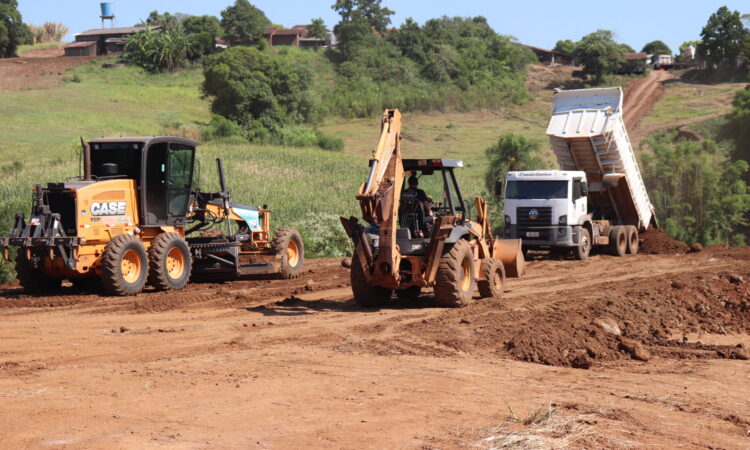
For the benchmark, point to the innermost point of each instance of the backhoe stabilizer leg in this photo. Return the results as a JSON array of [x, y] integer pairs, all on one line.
[[356, 233]]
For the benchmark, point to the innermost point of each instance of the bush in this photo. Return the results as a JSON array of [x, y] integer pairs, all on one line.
[[258, 91], [324, 236], [221, 128], [157, 51]]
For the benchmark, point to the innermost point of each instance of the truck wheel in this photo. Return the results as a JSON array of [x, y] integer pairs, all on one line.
[[410, 293], [583, 249], [618, 242], [169, 262], [288, 244], [366, 294], [124, 266], [455, 282], [494, 277], [632, 235], [32, 280]]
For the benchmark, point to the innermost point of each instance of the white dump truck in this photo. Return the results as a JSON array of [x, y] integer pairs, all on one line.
[[597, 198]]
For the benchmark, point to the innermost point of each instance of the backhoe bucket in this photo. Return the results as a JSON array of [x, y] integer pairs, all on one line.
[[510, 253]]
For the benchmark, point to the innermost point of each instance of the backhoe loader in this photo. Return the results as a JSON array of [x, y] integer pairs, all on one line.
[[134, 218], [404, 247]]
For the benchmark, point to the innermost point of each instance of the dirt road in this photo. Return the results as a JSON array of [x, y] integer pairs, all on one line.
[[640, 97], [37, 69], [266, 364]]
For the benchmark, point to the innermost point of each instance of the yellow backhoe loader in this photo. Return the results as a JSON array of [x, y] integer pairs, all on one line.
[[409, 244], [134, 218]]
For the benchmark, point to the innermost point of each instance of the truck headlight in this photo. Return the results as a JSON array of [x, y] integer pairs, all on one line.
[[563, 220]]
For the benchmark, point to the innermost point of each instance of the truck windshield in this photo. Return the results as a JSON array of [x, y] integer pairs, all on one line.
[[536, 189]]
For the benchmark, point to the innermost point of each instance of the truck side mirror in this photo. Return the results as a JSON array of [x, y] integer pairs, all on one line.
[[498, 187]]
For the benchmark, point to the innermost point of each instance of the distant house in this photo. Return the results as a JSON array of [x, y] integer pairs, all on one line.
[[102, 41], [294, 37], [83, 48], [552, 56], [635, 63]]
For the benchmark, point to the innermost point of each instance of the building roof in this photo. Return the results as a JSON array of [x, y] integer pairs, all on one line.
[[79, 44], [637, 55], [108, 31], [555, 52]]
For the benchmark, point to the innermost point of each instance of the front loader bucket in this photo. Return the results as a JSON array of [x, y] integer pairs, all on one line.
[[510, 253]]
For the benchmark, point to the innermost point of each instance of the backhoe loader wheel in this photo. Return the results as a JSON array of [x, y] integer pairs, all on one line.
[[454, 285], [288, 244], [631, 233], [124, 266], [366, 294], [494, 277], [618, 242], [169, 262], [33, 280]]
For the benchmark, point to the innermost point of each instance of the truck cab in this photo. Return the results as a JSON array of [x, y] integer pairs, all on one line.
[[545, 208]]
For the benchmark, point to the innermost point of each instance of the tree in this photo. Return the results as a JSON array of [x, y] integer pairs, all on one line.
[[565, 46], [599, 54], [12, 28], [657, 48], [722, 37], [166, 21], [317, 29], [258, 91], [511, 152], [205, 30], [369, 11], [243, 23]]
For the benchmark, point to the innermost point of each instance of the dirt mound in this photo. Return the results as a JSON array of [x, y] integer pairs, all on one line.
[[669, 316], [657, 242]]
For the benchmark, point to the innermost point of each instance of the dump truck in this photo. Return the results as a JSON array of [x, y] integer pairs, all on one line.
[[597, 198], [409, 243], [134, 217]]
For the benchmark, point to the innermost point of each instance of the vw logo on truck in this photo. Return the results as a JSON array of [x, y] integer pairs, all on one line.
[[533, 214]]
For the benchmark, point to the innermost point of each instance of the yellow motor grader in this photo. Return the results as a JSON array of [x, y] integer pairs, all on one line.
[[404, 247], [134, 218]]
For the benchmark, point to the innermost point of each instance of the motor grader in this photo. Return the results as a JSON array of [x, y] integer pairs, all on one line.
[[134, 218], [404, 248]]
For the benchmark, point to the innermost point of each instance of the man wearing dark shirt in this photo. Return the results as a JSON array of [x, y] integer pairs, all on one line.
[[419, 194]]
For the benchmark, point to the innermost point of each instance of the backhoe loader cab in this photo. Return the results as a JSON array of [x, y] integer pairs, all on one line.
[[405, 248], [129, 221]]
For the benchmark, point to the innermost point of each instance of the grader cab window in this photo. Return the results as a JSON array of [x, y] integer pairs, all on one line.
[[116, 160]]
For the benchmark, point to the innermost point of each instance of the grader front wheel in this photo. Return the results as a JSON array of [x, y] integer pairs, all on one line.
[[124, 266], [33, 280], [494, 278], [288, 244]]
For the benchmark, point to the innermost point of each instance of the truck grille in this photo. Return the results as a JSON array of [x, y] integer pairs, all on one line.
[[543, 217]]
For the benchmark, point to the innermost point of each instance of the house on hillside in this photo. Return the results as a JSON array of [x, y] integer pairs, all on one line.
[[635, 63], [294, 37], [102, 41], [549, 57]]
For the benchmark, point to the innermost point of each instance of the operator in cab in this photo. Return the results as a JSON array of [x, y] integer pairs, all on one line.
[[419, 194]]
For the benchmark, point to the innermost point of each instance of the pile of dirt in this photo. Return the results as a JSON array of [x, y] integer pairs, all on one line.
[[657, 242], [662, 317]]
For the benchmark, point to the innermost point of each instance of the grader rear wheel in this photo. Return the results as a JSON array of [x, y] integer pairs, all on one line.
[[169, 262], [33, 280], [454, 285], [124, 266]]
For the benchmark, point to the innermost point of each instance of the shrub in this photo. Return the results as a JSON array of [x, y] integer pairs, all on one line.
[[157, 51]]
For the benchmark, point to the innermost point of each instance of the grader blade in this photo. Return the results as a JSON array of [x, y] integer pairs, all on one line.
[[510, 253]]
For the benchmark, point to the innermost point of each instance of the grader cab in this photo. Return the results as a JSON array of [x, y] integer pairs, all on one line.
[[130, 220]]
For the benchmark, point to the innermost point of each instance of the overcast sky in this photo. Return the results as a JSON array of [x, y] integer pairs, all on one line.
[[537, 23]]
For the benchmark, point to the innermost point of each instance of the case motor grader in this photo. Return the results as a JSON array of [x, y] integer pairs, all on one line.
[[129, 220], [405, 248]]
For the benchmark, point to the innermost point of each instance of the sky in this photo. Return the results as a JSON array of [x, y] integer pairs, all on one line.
[[536, 23]]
